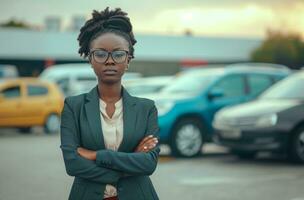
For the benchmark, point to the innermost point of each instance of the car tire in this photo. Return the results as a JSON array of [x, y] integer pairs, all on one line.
[[187, 138], [296, 146], [25, 130], [244, 154], [52, 124]]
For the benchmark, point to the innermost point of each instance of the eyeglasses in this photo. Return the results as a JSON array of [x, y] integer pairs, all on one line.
[[101, 56]]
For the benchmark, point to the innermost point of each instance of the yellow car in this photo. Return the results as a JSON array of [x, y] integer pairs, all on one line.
[[27, 102]]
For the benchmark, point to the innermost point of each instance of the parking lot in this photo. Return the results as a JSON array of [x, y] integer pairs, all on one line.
[[32, 168]]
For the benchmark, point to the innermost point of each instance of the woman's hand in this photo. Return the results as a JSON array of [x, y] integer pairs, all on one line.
[[147, 144], [88, 154]]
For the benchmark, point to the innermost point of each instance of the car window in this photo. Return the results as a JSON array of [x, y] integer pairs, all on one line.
[[231, 86], [36, 90], [189, 83], [258, 83], [11, 92]]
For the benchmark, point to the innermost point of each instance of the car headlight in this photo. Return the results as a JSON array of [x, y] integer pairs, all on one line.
[[163, 107], [267, 120]]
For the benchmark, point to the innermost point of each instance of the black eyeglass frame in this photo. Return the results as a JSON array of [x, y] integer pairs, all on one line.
[[91, 54]]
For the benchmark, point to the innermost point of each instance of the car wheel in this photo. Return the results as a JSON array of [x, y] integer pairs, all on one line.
[[296, 146], [25, 130], [187, 138], [52, 124], [244, 154]]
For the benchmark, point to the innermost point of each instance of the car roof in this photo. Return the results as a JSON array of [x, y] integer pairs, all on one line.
[[257, 68], [70, 65], [69, 69], [240, 68], [203, 71]]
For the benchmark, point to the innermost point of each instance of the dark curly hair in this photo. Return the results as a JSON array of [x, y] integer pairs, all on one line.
[[106, 21]]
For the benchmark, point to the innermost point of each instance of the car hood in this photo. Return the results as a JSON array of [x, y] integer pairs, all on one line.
[[259, 107]]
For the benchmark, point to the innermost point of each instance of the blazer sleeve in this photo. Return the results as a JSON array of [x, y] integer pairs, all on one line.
[[140, 163], [75, 164]]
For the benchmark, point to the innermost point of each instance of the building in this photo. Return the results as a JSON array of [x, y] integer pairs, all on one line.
[[31, 51]]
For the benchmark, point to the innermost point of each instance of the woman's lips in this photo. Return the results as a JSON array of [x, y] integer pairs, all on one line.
[[110, 72]]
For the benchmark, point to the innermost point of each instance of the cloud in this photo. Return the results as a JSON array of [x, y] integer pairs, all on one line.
[[250, 19], [220, 17]]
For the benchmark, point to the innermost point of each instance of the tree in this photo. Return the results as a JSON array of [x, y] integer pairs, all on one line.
[[281, 48], [15, 24]]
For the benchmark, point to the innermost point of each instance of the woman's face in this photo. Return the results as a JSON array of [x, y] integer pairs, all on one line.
[[109, 72]]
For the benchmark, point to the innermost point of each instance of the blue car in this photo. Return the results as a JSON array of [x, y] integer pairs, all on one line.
[[186, 106]]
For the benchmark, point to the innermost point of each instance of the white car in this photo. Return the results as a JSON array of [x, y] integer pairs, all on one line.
[[76, 78], [73, 78]]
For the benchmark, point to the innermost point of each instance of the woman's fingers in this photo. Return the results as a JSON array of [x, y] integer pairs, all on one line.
[[151, 143], [147, 144], [79, 150], [145, 139]]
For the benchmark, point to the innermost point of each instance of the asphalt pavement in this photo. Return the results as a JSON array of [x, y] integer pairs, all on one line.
[[31, 167]]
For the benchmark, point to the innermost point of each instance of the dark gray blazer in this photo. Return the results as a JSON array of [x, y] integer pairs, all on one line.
[[128, 171]]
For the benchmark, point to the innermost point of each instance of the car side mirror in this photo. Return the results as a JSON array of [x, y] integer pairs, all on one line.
[[215, 93]]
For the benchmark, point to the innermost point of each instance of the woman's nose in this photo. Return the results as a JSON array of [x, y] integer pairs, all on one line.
[[110, 60]]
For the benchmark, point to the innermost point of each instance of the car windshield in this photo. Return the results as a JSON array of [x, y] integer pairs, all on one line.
[[290, 88], [191, 83]]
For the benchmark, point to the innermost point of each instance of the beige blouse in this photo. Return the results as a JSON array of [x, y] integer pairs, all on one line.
[[112, 129]]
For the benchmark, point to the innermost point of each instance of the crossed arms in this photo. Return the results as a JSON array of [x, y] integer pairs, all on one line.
[[107, 166]]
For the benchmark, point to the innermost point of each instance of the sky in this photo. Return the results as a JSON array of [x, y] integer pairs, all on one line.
[[226, 18]]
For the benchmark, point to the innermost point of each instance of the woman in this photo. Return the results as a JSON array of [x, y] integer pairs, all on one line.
[[108, 138]]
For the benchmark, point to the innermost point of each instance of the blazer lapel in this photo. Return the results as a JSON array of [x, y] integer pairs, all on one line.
[[93, 115], [129, 120]]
